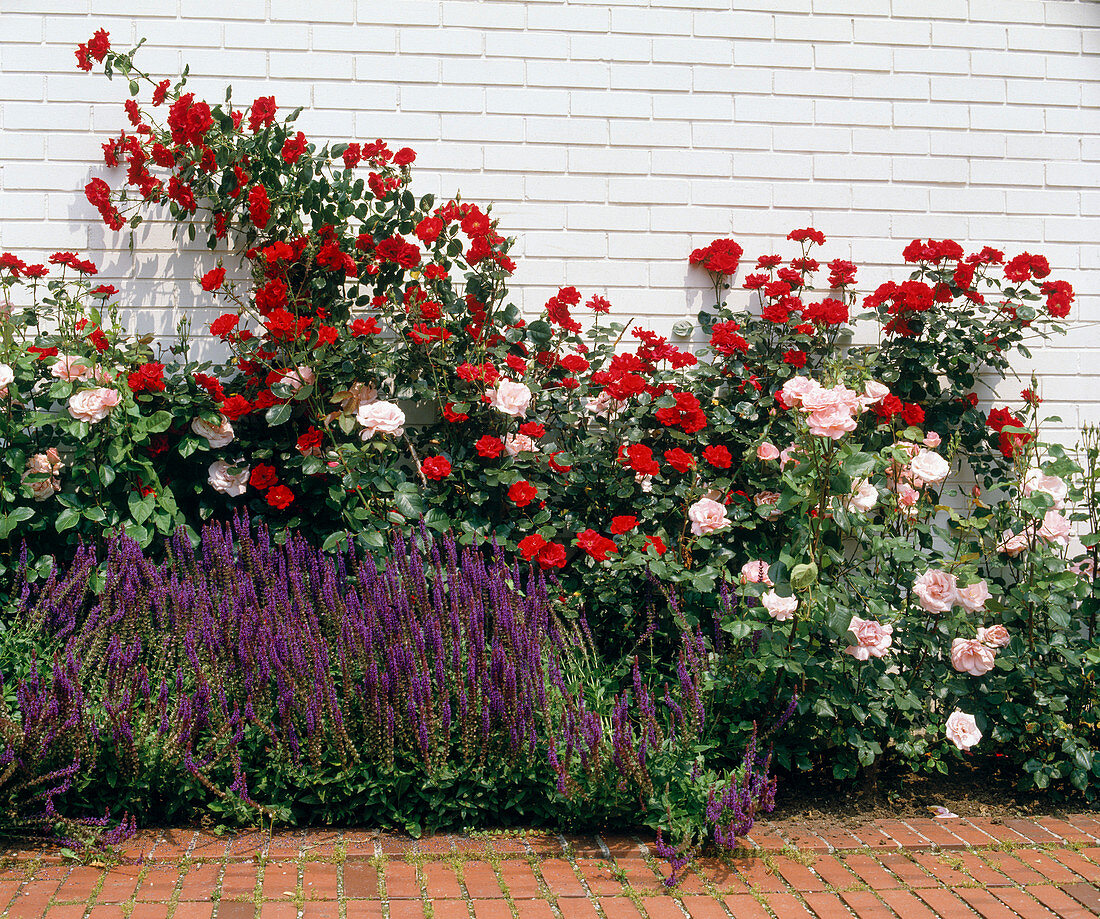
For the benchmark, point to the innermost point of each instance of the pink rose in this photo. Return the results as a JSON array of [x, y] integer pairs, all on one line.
[[936, 591], [1050, 484], [932, 440], [779, 608], [863, 498], [43, 464], [833, 422], [797, 387], [70, 368], [756, 572], [1055, 528], [299, 377], [874, 392], [380, 417], [1012, 544], [93, 405], [707, 516], [229, 483], [767, 451], [788, 455], [1084, 568], [217, 435], [7, 376], [928, 467], [996, 636], [511, 398], [768, 501], [969, 655], [973, 596], [873, 639], [962, 730], [515, 444]]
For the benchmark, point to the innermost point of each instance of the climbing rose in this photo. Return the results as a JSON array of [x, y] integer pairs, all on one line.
[[962, 730], [969, 655], [93, 405], [936, 591], [873, 639], [707, 516], [779, 608], [436, 467]]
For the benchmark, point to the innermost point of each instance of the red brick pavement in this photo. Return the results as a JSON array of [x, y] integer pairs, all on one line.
[[893, 869]]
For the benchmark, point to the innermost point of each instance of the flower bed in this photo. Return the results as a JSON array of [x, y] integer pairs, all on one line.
[[796, 501]]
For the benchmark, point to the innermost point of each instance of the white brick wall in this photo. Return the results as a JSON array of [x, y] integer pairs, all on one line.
[[615, 137]]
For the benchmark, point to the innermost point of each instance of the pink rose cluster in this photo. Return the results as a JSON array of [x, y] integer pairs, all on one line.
[[1055, 529], [938, 591], [924, 467], [831, 411], [42, 473]]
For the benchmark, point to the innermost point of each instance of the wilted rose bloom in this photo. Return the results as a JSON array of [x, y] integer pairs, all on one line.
[[962, 730], [645, 482], [1035, 480], [863, 498], [968, 655], [788, 455], [217, 435], [299, 377], [380, 417], [70, 368], [707, 516], [359, 394], [756, 572], [515, 444], [932, 440], [1012, 544], [768, 501], [511, 398], [1055, 528], [996, 636], [873, 639], [221, 479], [928, 467], [7, 375], [779, 608], [936, 591], [93, 405], [973, 596], [767, 451]]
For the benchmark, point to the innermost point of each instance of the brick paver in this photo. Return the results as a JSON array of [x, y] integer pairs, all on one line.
[[893, 869]]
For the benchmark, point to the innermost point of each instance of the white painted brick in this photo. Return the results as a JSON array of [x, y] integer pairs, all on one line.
[[1043, 92], [732, 79], [329, 11], [526, 158], [733, 25], [891, 86], [582, 188], [496, 15], [931, 115], [730, 193], [629, 133], [931, 60], [968, 143], [867, 168], [968, 35], [610, 161], [1044, 38], [535, 101], [729, 136], [811, 194], [472, 70], [292, 64], [558, 18], [968, 200], [929, 9], [568, 130], [693, 50], [967, 89], [1008, 173], [882, 197], [441, 41], [772, 166], [892, 32], [611, 47], [647, 191], [885, 140], [823, 83], [697, 107], [796, 139], [649, 22], [553, 45], [772, 54], [848, 58], [814, 28], [607, 217], [579, 74], [340, 38], [1002, 64], [483, 127], [618, 104], [692, 163], [650, 76], [854, 112], [1062, 120], [23, 87]]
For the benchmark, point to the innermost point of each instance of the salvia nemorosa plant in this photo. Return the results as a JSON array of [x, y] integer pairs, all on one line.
[[268, 677]]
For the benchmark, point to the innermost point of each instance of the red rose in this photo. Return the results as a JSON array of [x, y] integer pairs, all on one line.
[[623, 524], [259, 207], [452, 416], [262, 113], [912, 413], [490, 447], [718, 456], [224, 324], [678, 459], [361, 327], [97, 338], [147, 378], [326, 335], [236, 407], [310, 441], [280, 496], [522, 493], [597, 546], [428, 230], [657, 543], [532, 429], [435, 467], [640, 459], [795, 358], [263, 476], [293, 148], [530, 546], [212, 280], [404, 157], [552, 555], [814, 236], [160, 92], [889, 407]]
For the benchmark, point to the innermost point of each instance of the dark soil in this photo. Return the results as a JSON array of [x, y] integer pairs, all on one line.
[[970, 792]]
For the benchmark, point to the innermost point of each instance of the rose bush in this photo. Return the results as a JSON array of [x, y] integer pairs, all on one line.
[[377, 376]]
